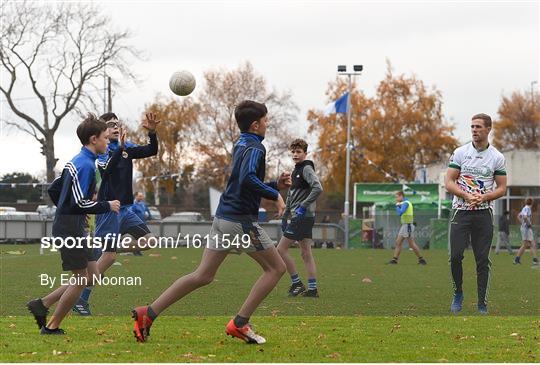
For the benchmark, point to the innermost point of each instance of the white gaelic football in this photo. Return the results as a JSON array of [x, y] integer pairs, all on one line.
[[182, 83]]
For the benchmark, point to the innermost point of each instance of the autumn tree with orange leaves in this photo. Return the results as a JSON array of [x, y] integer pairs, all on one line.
[[400, 127], [173, 162], [518, 126]]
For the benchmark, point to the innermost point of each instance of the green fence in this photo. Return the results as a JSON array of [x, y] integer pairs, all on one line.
[[355, 234], [431, 232], [439, 234]]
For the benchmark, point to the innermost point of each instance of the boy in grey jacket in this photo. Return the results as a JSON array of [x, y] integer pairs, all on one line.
[[303, 193]]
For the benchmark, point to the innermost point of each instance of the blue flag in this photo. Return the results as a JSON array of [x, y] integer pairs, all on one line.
[[338, 106]]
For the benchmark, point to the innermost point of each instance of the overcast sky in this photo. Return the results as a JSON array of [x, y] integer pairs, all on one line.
[[472, 52]]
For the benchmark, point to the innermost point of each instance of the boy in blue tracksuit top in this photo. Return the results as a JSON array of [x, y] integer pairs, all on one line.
[[117, 183], [236, 220], [72, 193], [239, 203], [140, 208]]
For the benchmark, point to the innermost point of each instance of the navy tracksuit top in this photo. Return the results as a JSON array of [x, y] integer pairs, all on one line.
[[118, 181], [245, 188]]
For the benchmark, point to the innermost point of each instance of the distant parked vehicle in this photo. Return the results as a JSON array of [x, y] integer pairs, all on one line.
[[7, 209], [17, 215], [46, 211], [184, 217], [154, 213]]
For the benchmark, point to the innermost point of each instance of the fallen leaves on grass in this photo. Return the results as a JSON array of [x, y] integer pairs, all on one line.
[[191, 356], [460, 338], [20, 252], [61, 353], [333, 355], [27, 353]]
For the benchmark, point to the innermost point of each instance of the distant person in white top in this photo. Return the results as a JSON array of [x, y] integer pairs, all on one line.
[[527, 235]]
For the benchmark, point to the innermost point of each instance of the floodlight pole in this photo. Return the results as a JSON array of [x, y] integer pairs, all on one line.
[[346, 208], [348, 166]]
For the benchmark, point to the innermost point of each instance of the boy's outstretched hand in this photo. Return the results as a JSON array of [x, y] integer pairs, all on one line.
[[284, 180], [122, 139], [151, 122]]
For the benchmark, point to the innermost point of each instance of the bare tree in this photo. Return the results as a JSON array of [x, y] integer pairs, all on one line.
[[217, 129], [56, 52]]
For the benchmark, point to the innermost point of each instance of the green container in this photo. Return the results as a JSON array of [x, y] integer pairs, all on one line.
[[438, 238], [355, 234]]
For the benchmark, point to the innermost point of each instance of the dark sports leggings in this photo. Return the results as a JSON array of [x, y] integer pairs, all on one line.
[[474, 227]]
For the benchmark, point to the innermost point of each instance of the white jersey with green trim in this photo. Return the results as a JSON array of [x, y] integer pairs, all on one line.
[[525, 216], [477, 172]]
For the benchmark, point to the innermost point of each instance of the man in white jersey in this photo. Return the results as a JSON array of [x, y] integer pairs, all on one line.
[[473, 172], [527, 235]]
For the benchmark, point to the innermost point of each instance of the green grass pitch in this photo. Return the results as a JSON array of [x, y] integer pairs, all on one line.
[[401, 315]]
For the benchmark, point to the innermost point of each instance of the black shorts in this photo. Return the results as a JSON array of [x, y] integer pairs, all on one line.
[[76, 258], [136, 232], [300, 228]]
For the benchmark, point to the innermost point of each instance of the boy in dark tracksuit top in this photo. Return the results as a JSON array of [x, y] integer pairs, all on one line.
[[72, 193], [236, 219], [301, 198], [118, 184]]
